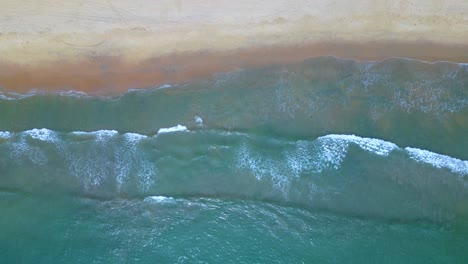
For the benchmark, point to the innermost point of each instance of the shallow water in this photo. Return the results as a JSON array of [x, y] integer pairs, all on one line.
[[327, 161]]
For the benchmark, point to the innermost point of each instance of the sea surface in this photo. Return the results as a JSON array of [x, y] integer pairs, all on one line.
[[326, 161]]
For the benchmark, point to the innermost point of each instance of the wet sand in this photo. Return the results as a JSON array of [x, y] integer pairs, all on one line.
[[105, 47], [110, 75]]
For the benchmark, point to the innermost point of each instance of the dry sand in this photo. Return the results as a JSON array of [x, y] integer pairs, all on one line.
[[110, 46]]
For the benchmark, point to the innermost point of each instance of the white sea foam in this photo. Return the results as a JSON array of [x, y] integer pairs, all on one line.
[[99, 158], [18, 96], [42, 134], [134, 137], [38, 92], [376, 146], [105, 134], [264, 167], [172, 129], [252, 162], [99, 134], [165, 86], [5, 134], [103, 158], [81, 133], [6, 97], [198, 120], [325, 153], [160, 199], [463, 66], [439, 161], [330, 154], [73, 93], [20, 149], [316, 156]]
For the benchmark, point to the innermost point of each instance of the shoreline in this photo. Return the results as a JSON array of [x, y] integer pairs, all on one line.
[[108, 47], [113, 75]]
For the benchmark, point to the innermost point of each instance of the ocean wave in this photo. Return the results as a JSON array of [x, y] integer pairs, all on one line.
[[134, 137], [330, 149], [439, 161], [178, 128], [42, 134], [98, 133], [5, 134], [324, 172], [377, 146], [160, 199]]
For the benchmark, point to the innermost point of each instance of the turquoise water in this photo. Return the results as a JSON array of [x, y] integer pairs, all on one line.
[[326, 161]]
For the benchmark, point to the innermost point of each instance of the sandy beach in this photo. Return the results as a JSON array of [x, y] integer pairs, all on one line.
[[109, 47]]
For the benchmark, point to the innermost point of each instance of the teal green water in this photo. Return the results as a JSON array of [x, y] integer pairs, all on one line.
[[327, 161]]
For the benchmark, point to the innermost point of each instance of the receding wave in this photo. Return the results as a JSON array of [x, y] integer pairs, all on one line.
[[343, 173]]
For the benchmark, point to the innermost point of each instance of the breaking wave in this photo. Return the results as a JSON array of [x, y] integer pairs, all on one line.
[[325, 172]]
